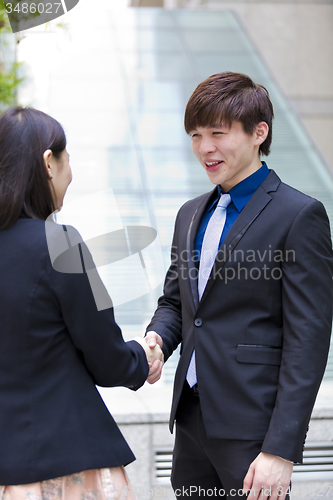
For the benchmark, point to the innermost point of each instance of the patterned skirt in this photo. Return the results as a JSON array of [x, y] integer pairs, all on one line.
[[96, 484]]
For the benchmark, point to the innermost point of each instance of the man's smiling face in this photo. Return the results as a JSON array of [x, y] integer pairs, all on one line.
[[228, 154]]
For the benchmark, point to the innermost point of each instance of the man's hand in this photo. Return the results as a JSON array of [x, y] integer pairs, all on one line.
[[153, 353], [268, 476], [153, 340]]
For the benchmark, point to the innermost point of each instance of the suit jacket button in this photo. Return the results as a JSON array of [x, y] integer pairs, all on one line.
[[198, 322]]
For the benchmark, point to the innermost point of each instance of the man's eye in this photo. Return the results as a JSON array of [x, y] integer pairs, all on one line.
[[194, 135], [218, 133]]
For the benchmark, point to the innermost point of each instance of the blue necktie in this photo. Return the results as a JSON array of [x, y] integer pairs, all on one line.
[[210, 247]]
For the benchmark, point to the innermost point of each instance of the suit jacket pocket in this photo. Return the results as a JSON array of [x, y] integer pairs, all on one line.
[[261, 354]]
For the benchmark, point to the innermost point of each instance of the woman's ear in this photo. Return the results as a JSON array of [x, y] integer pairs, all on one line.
[[261, 132], [47, 157]]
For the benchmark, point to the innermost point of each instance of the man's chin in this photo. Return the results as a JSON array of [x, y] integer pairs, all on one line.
[[214, 179]]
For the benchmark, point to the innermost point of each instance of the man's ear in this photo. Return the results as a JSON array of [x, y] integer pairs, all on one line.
[[47, 157], [261, 132]]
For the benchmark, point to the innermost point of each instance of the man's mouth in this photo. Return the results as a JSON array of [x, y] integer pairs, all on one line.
[[213, 165]]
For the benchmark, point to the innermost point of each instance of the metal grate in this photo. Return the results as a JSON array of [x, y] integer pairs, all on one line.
[[162, 465], [317, 464]]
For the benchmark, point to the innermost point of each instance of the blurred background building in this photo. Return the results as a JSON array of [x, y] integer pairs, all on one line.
[[117, 76]]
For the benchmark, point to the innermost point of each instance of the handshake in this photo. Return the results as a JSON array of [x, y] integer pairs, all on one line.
[[152, 345]]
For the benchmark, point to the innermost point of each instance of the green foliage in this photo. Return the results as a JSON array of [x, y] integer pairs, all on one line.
[[4, 25], [9, 80]]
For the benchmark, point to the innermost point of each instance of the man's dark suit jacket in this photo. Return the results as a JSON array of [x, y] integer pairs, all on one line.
[[262, 329], [54, 347]]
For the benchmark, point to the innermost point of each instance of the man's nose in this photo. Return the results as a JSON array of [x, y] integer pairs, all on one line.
[[207, 146]]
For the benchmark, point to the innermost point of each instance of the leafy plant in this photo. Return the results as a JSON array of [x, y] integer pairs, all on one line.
[[9, 73], [9, 79]]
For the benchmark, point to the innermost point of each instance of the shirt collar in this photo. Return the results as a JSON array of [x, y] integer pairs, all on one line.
[[242, 192]]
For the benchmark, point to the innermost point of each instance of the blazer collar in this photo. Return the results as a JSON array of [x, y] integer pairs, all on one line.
[[204, 202], [250, 212], [271, 183]]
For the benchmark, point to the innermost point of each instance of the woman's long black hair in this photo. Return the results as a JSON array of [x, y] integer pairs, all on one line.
[[25, 187]]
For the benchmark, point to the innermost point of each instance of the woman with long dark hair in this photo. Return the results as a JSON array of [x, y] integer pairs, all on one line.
[[57, 438]]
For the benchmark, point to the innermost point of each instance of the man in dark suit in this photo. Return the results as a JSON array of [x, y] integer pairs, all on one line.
[[248, 296]]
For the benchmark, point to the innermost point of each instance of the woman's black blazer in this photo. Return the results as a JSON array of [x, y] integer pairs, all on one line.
[[54, 347]]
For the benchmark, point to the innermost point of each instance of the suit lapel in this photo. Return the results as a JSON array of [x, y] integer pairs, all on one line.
[[190, 240], [250, 212]]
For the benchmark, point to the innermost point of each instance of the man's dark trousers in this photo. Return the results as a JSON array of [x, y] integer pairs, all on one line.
[[207, 468]]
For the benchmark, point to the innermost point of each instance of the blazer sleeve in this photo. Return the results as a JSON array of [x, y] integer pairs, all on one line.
[[110, 360], [167, 319], [307, 321]]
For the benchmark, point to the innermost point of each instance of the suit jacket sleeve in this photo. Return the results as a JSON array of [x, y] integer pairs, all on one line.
[[110, 360], [307, 321], [167, 320]]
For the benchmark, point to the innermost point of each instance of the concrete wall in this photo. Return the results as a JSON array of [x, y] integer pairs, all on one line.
[[147, 3]]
